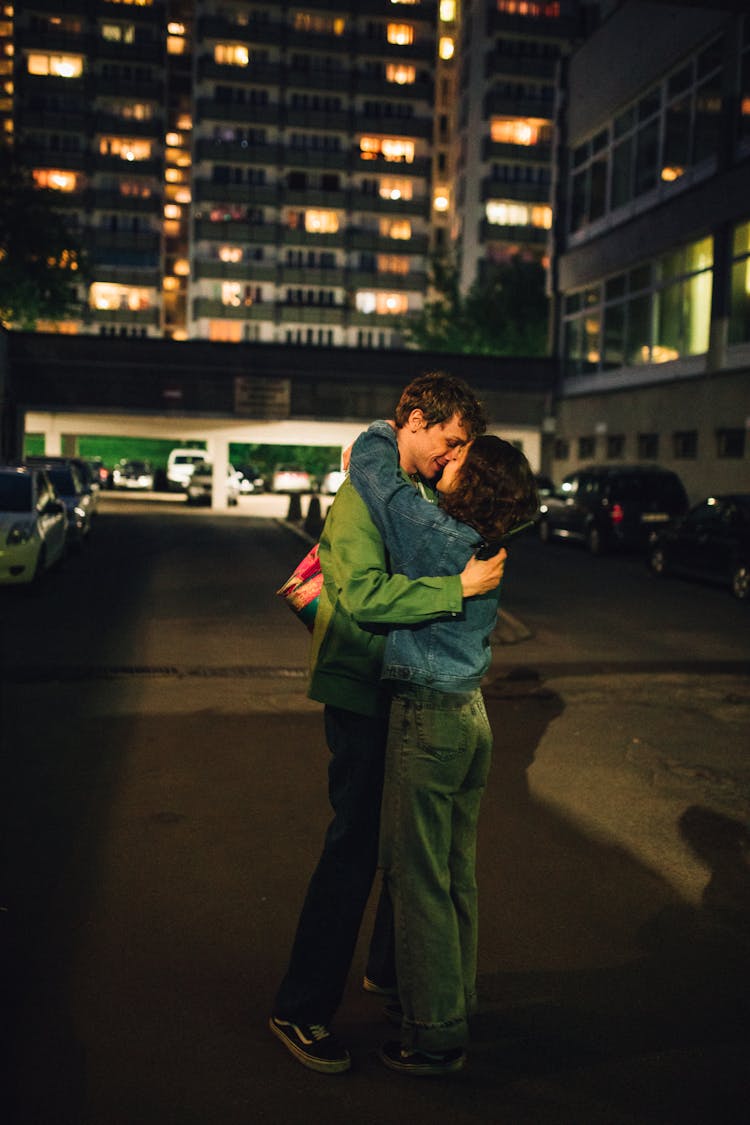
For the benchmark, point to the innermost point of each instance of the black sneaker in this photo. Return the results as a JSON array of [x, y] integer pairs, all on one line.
[[379, 989], [313, 1045], [420, 1063]]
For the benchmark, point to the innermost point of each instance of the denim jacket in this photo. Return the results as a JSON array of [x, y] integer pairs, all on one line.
[[451, 654]]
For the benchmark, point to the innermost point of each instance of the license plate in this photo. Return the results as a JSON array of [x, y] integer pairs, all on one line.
[[654, 517]]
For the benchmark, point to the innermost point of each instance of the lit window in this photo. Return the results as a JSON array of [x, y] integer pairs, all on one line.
[[385, 304], [395, 187], [173, 139], [549, 10], [58, 66], [520, 130], [172, 211], [230, 253], [321, 222], [137, 111], [401, 34], [55, 179], [185, 121], [225, 331], [231, 294], [107, 296], [672, 172], [321, 25], [392, 263], [231, 54], [176, 45], [182, 267], [400, 73], [392, 149], [118, 32], [175, 28], [135, 188], [446, 47], [441, 200], [447, 10], [170, 283], [509, 213], [395, 228], [182, 196], [171, 228], [126, 148], [173, 176]]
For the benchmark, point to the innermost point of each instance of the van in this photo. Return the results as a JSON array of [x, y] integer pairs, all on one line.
[[180, 466], [611, 506]]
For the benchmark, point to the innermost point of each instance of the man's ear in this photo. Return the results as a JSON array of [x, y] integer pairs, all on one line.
[[416, 420]]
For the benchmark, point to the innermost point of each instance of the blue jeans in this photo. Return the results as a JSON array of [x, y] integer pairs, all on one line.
[[340, 886], [437, 761]]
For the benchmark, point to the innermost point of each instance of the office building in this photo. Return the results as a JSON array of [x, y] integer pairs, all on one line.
[[652, 247]]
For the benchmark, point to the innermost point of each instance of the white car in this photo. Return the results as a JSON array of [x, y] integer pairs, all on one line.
[[33, 524], [180, 466], [290, 478], [200, 485], [332, 480], [133, 474]]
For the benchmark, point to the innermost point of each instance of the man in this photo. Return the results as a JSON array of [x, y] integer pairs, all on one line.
[[435, 417]]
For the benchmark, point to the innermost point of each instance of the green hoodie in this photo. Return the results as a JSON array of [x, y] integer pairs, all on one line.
[[359, 601]]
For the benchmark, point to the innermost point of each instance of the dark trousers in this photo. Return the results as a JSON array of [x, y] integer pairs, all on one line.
[[340, 886]]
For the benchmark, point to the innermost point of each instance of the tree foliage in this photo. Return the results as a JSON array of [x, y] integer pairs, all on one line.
[[505, 312], [41, 261]]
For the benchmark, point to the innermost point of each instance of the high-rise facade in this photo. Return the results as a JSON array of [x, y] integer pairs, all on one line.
[[508, 57], [240, 170]]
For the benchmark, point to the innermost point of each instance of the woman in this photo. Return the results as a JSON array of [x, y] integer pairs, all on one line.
[[439, 740]]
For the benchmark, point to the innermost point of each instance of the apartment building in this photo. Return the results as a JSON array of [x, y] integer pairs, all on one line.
[[241, 170], [508, 57], [652, 247]]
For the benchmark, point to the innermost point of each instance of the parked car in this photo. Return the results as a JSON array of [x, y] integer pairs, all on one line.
[[89, 479], [332, 480], [612, 506], [76, 494], [100, 471], [544, 486], [200, 485], [133, 474], [251, 479], [180, 465], [291, 478], [712, 542], [33, 524]]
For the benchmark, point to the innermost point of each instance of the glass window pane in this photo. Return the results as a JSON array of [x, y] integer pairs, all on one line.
[[578, 207], [598, 198], [647, 148], [622, 172], [640, 278], [615, 288], [744, 117], [676, 140], [707, 119], [739, 316], [591, 342], [711, 57], [697, 312], [649, 105], [681, 80], [614, 336], [638, 347], [699, 255], [572, 347], [741, 239], [625, 121], [668, 313]]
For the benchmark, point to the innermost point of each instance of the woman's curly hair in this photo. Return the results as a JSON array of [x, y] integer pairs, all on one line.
[[495, 488]]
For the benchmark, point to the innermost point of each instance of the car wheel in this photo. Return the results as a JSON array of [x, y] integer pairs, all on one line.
[[545, 534], [657, 561], [741, 581], [594, 540]]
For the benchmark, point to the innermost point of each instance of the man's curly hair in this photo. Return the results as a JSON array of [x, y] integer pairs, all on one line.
[[439, 396], [494, 489]]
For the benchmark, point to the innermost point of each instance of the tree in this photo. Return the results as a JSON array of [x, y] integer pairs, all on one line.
[[41, 261], [505, 311]]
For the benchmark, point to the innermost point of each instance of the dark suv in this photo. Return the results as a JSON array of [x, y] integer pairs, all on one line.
[[610, 506]]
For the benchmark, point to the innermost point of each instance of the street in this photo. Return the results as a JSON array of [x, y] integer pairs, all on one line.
[[164, 783]]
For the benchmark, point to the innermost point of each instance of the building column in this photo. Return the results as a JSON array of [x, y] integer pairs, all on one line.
[[218, 455]]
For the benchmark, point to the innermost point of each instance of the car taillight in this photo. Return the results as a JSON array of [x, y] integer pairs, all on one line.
[[617, 515]]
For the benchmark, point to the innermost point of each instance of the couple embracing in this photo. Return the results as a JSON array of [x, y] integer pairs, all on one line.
[[400, 646]]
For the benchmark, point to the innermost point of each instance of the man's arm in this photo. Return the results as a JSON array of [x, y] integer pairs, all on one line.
[[401, 515]]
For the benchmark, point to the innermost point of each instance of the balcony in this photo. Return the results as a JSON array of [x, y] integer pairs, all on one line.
[[333, 81], [522, 192], [110, 123], [225, 30], [377, 243], [331, 120], [140, 242], [301, 275], [516, 154], [378, 88], [385, 125], [505, 66], [311, 314], [53, 121], [235, 231], [310, 197], [217, 310], [108, 164], [209, 191], [499, 103], [367, 204], [254, 74], [421, 167], [144, 50], [38, 156], [299, 237], [562, 28], [531, 236], [138, 88], [243, 113], [233, 271], [137, 318], [115, 201], [321, 158], [415, 280], [235, 152]]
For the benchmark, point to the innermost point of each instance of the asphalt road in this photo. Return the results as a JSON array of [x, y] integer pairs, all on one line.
[[163, 776]]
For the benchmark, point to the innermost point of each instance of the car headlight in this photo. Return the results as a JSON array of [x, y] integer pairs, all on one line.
[[20, 533], [80, 512]]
